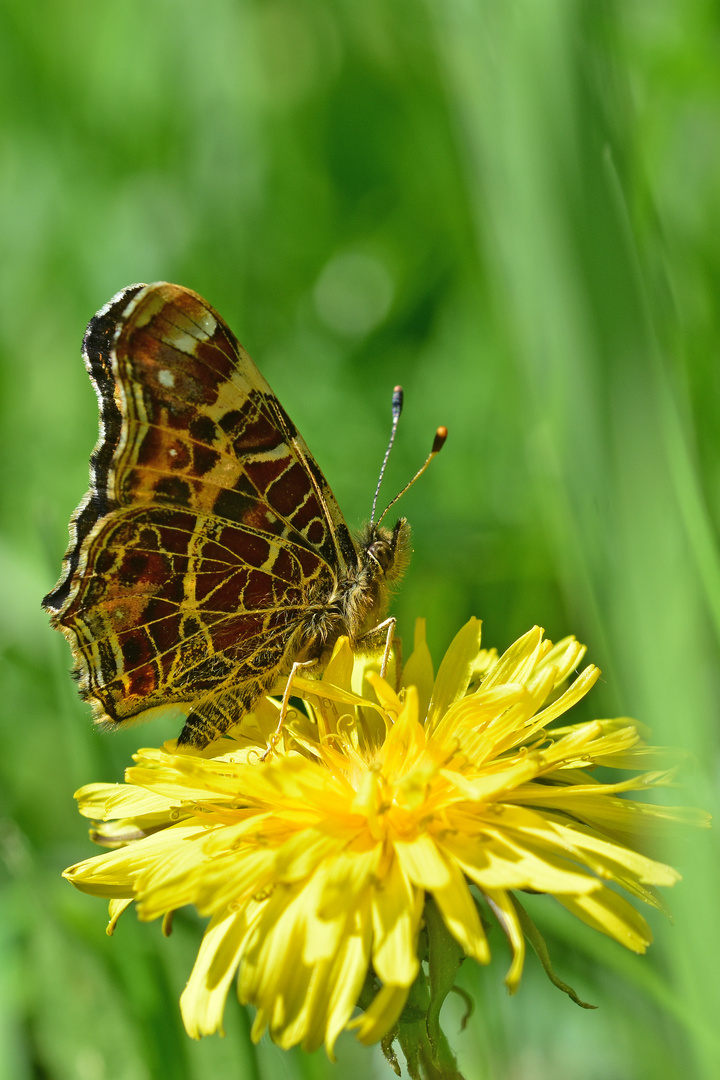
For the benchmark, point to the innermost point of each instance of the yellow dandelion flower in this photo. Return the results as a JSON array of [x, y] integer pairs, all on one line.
[[381, 812]]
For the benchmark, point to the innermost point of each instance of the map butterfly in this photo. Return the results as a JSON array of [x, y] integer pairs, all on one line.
[[209, 555]]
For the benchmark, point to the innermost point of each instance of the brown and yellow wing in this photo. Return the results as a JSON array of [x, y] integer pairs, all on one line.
[[207, 523]]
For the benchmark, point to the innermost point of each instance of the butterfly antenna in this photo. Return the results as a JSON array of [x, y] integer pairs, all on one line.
[[438, 442], [397, 404]]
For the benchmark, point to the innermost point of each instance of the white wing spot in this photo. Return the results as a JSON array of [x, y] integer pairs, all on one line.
[[166, 378]]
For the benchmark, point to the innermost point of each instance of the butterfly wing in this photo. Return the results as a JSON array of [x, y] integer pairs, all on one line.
[[207, 523]]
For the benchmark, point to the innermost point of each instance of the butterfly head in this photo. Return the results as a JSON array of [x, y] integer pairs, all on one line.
[[387, 551]]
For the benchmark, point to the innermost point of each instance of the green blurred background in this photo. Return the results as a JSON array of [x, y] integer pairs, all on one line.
[[511, 207]]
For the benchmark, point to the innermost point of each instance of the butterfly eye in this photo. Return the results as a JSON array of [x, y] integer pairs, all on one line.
[[382, 553]]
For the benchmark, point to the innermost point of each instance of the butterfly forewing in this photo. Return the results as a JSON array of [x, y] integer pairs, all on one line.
[[208, 522]]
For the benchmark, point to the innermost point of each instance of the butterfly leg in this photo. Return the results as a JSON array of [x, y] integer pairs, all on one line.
[[391, 624], [381, 635], [285, 703]]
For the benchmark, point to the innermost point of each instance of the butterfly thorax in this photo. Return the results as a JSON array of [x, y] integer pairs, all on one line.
[[356, 603]]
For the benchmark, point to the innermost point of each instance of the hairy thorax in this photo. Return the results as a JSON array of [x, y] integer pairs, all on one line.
[[356, 604]]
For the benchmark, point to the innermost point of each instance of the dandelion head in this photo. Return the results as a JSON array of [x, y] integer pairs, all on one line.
[[387, 814]]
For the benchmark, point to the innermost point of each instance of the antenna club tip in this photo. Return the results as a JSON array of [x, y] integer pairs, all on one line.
[[439, 441], [397, 402]]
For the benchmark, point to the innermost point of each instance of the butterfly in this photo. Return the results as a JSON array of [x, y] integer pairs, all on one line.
[[209, 557]]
